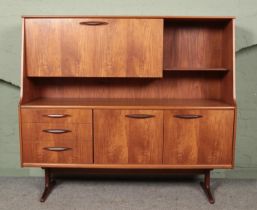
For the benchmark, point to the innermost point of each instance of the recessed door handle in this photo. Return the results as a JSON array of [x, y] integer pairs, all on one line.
[[56, 131], [56, 115], [93, 23], [188, 116], [140, 116], [57, 149]]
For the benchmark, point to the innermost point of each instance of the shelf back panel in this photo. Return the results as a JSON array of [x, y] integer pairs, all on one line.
[[174, 85], [193, 44]]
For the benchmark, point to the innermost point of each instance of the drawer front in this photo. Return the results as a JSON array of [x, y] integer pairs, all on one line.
[[73, 147], [50, 152], [128, 136], [56, 115], [49, 131], [198, 137]]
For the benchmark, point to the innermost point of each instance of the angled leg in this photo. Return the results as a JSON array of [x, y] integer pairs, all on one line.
[[49, 184], [206, 186]]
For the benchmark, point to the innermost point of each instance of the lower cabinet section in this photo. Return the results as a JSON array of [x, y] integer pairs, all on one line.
[[57, 143], [165, 138], [128, 136], [198, 137]]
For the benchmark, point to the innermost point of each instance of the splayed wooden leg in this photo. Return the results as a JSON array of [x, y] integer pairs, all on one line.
[[206, 186], [49, 184]]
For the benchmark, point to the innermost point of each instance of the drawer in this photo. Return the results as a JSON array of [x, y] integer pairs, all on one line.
[[56, 115], [49, 151], [76, 148], [49, 131]]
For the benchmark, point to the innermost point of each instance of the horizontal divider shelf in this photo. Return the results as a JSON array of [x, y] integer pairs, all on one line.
[[126, 103]]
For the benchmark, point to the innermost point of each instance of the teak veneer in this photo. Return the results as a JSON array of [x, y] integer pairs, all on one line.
[[127, 95]]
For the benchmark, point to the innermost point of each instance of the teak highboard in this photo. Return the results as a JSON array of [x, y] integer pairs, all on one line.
[[128, 94]]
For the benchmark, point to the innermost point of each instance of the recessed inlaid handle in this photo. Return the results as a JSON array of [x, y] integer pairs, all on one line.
[[188, 116], [93, 23], [139, 116], [56, 115], [57, 149], [56, 131]]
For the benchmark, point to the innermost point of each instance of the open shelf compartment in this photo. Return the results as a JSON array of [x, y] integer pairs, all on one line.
[[198, 45]]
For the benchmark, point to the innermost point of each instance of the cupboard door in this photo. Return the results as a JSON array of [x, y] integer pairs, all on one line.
[[128, 136], [94, 47], [198, 137]]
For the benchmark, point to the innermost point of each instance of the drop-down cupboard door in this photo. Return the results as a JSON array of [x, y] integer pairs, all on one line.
[[198, 138], [94, 47]]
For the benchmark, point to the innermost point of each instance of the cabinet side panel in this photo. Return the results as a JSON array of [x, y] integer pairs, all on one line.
[[228, 81]]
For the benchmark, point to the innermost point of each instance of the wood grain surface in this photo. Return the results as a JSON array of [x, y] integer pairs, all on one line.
[[138, 66], [68, 104], [122, 140], [40, 115], [79, 141], [193, 44], [120, 48], [203, 141]]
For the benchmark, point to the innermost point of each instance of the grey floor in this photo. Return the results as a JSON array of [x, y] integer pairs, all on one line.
[[123, 193]]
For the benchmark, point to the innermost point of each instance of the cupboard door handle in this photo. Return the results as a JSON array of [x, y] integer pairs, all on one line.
[[56, 115], [56, 149], [139, 116], [56, 131], [188, 116], [93, 23]]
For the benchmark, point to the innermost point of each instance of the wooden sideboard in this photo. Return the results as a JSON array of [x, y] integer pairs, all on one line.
[[152, 94]]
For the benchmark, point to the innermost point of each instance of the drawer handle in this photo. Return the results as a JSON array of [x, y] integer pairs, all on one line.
[[56, 131], [139, 116], [93, 23], [56, 149], [56, 115], [188, 116]]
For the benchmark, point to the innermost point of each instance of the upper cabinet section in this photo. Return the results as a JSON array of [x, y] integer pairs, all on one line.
[[93, 47]]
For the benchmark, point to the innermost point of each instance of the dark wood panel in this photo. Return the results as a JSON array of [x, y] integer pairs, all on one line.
[[119, 139], [207, 140], [65, 47]]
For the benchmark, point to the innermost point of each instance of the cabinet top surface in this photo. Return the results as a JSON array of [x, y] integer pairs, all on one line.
[[128, 103], [106, 16]]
